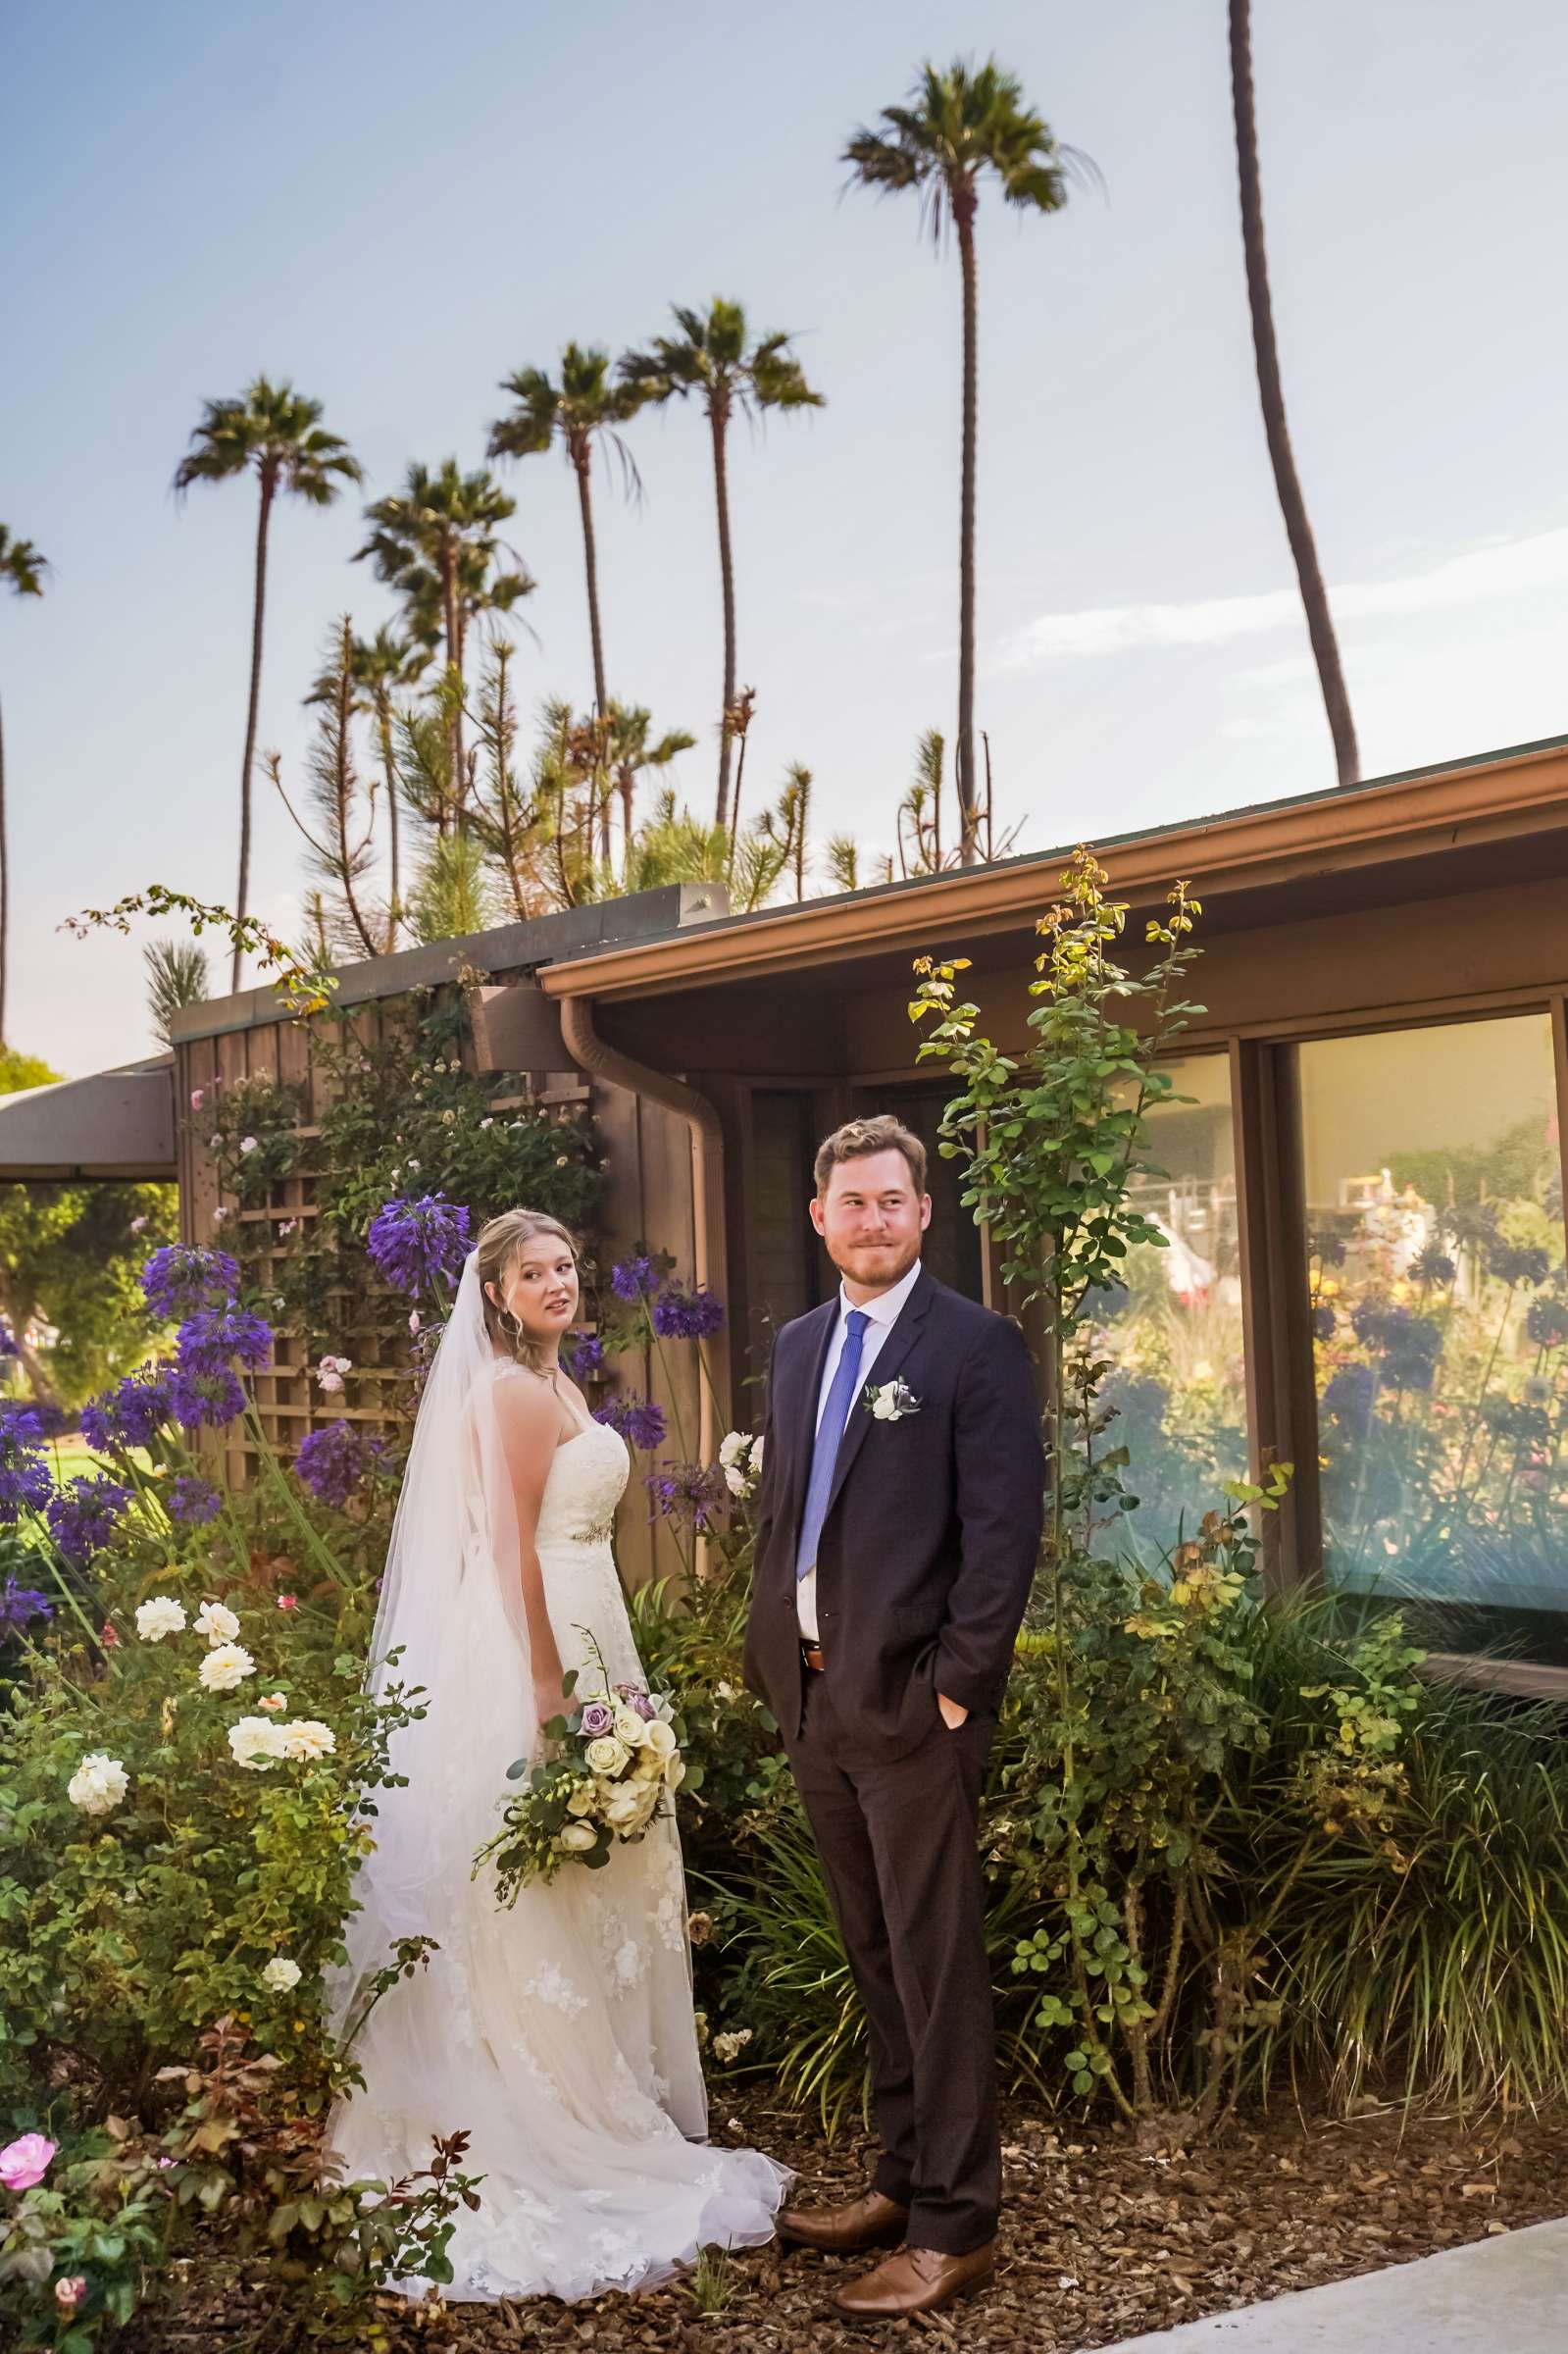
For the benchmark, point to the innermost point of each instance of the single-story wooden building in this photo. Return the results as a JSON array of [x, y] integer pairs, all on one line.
[[1363, 1206]]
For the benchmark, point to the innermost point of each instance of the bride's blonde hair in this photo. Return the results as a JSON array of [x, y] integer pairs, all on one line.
[[500, 1240]]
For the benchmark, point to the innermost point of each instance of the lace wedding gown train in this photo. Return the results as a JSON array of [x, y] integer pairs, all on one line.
[[561, 2034]]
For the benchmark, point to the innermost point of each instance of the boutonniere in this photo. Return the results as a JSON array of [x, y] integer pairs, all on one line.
[[890, 1400]]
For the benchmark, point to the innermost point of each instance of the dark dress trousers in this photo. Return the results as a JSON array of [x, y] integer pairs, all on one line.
[[924, 1568]]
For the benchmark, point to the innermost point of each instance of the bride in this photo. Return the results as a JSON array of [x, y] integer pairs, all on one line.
[[559, 2034]]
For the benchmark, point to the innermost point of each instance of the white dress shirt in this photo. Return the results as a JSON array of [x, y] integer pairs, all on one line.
[[883, 1311]]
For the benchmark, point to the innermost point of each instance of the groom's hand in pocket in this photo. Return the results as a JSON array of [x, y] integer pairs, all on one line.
[[952, 1714]]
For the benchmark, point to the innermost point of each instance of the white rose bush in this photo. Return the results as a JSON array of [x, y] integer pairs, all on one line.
[[608, 1769]]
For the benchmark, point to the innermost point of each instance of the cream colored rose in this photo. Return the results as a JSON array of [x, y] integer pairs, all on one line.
[[161, 1616], [576, 1837], [306, 1738], [630, 1727], [582, 1799], [253, 1744], [225, 1665], [217, 1623], [607, 1755]]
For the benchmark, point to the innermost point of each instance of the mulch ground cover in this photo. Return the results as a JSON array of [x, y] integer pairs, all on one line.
[[1099, 2241]]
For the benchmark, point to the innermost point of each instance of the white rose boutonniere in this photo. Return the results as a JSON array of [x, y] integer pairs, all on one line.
[[890, 1400]]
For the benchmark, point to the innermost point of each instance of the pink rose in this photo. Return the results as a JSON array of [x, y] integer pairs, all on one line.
[[25, 2161], [196, 1094], [108, 1638], [70, 2292], [289, 1602]]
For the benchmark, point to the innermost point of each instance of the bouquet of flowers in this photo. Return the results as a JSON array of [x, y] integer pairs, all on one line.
[[608, 1769]]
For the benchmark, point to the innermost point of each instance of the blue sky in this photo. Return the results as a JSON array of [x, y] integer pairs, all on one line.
[[396, 207]]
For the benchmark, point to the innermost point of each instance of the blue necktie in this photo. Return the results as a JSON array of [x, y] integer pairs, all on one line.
[[829, 1431]]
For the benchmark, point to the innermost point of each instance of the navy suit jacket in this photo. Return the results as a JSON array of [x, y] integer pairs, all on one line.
[[934, 1521]]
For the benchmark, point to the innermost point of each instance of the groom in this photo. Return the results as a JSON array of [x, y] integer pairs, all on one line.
[[900, 1514]]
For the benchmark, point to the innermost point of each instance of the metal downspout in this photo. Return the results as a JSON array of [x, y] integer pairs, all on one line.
[[604, 1061]]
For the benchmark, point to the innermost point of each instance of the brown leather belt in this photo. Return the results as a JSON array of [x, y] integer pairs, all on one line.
[[811, 1656]]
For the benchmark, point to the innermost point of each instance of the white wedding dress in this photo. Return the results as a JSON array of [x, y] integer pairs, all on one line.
[[559, 2034]]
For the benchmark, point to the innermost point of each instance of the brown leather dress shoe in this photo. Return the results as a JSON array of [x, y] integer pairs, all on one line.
[[916, 2281], [869, 2221]]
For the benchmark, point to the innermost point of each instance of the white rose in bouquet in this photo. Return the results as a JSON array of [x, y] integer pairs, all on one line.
[[630, 1727], [575, 1837], [98, 1784], [161, 1616], [607, 1755], [582, 1800], [224, 1667], [628, 1805], [218, 1624]]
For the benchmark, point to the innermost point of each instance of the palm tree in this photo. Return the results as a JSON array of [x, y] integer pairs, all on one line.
[[22, 568], [176, 975], [710, 357], [955, 127], [275, 432], [381, 666], [631, 752], [586, 406], [1271, 393], [436, 544]]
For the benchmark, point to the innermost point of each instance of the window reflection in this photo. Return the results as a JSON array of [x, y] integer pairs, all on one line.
[[1440, 1316], [1174, 1327]]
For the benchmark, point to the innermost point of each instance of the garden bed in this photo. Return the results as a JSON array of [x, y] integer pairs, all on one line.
[[1099, 2241]]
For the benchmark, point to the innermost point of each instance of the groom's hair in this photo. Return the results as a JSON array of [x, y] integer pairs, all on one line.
[[856, 1140]]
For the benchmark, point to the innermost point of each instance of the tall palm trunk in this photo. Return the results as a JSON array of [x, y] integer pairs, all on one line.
[[269, 485], [719, 421], [1292, 506], [582, 461], [963, 206], [383, 719], [5, 890], [454, 672]]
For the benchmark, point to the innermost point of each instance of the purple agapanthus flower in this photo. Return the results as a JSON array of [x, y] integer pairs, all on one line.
[[210, 1341], [131, 1413], [638, 1420], [84, 1515], [332, 1463], [21, 1421], [691, 1492], [195, 1399], [193, 1500], [588, 1354], [182, 1278], [693, 1315], [26, 1481], [1324, 1320], [21, 1604], [1349, 1396], [1547, 1323], [598, 1717], [416, 1244], [1520, 1262], [633, 1278]]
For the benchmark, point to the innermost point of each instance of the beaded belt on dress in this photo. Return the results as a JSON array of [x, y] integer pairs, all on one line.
[[594, 1536]]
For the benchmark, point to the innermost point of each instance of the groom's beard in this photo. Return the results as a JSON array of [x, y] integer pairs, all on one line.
[[877, 1266]]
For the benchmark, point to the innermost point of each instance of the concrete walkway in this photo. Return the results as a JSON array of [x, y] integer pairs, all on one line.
[[1507, 2295]]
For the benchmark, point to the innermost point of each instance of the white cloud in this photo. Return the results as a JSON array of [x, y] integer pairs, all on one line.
[[1502, 568]]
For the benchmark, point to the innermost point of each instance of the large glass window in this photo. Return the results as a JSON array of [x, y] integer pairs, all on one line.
[[1174, 1328], [1434, 1226]]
